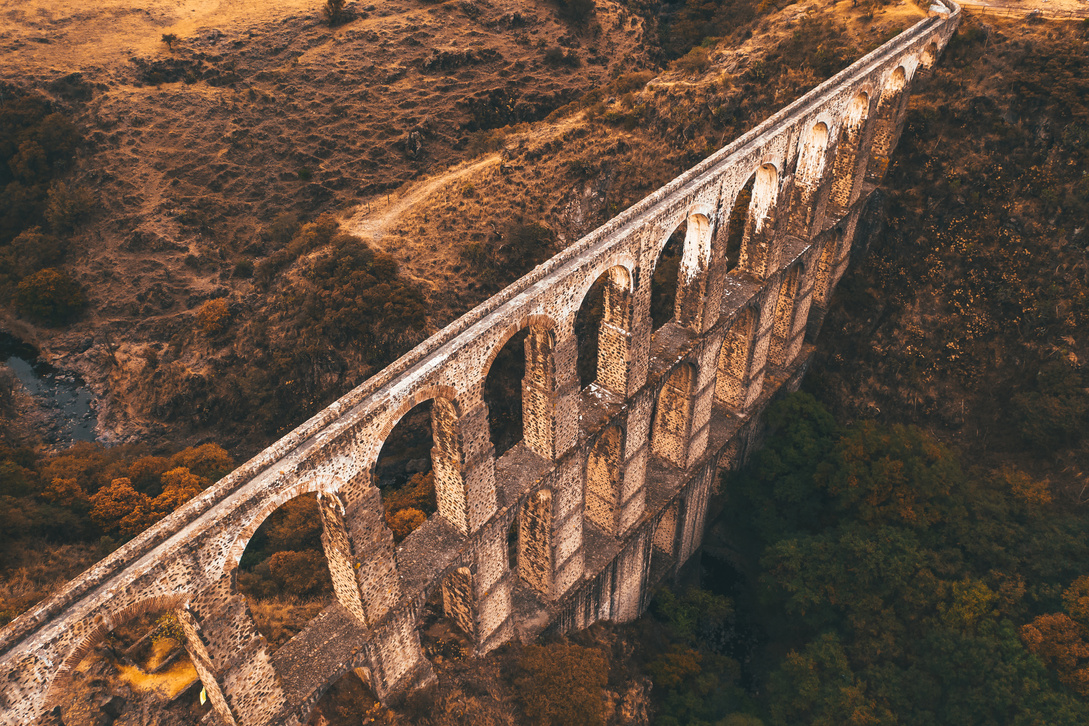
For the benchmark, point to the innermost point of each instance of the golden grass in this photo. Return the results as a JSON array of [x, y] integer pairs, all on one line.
[[168, 683]]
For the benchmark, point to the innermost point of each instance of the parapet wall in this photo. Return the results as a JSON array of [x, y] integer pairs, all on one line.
[[607, 491]]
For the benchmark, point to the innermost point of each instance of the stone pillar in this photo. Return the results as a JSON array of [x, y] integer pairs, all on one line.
[[463, 459], [703, 399], [535, 557], [458, 600], [614, 334], [759, 361], [550, 392], [492, 587], [394, 657], [734, 369], [567, 521], [697, 498], [359, 549], [604, 467], [231, 657], [792, 345], [632, 499], [673, 415]]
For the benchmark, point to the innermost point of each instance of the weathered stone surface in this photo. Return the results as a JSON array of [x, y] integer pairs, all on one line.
[[607, 492]]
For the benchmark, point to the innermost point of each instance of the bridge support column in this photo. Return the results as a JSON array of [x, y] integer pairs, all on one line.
[[754, 377], [359, 549], [394, 658], [232, 658], [492, 588], [703, 398], [464, 464], [635, 456]]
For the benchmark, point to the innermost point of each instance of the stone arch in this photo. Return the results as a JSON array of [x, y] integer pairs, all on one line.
[[104, 623], [886, 124], [673, 415], [537, 403], [323, 485], [754, 226], [682, 259], [735, 360], [603, 328], [808, 175], [785, 308], [603, 479], [846, 168], [535, 559], [447, 452]]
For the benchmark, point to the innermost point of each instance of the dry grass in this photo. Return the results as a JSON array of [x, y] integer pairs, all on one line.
[[279, 619], [34, 572], [168, 683]]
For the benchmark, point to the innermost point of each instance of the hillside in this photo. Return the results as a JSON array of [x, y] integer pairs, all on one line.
[[437, 133]]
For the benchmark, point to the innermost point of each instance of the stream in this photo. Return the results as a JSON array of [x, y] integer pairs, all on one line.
[[69, 406]]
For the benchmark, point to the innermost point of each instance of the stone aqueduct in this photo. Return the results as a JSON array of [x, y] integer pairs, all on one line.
[[608, 489]]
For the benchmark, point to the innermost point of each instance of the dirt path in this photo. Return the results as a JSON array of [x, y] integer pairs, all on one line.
[[373, 218], [1052, 9]]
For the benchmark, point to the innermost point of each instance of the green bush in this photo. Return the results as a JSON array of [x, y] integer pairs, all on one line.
[[50, 297]]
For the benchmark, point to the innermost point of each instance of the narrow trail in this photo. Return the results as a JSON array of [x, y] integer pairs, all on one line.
[[371, 220]]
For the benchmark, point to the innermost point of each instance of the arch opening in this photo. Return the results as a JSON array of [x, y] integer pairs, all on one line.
[[664, 281], [681, 262], [283, 573], [807, 180], [929, 56], [886, 122], [141, 651], [519, 391], [751, 217], [734, 361], [735, 225], [602, 326], [673, 415], [404, 471], [503, 393]]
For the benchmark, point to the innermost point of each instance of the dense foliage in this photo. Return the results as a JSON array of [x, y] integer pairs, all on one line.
[[907, 589], [93, 494]]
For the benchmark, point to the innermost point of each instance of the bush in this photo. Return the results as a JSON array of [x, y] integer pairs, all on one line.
[[68, 206], [563, 684], [214, 316], [334, 12], [697, 60], [578, 11], [50, 297]]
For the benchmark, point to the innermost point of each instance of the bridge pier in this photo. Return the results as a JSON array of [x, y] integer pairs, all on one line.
[[232, 658]]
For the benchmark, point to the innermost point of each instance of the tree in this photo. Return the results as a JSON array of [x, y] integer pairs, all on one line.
[[120, 509], [50, 297], [1060, 643], [334, 12]]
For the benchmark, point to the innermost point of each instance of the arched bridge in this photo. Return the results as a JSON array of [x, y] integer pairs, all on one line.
[[607, 491]]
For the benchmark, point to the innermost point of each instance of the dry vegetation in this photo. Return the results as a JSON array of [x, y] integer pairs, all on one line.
[[209, 155]]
